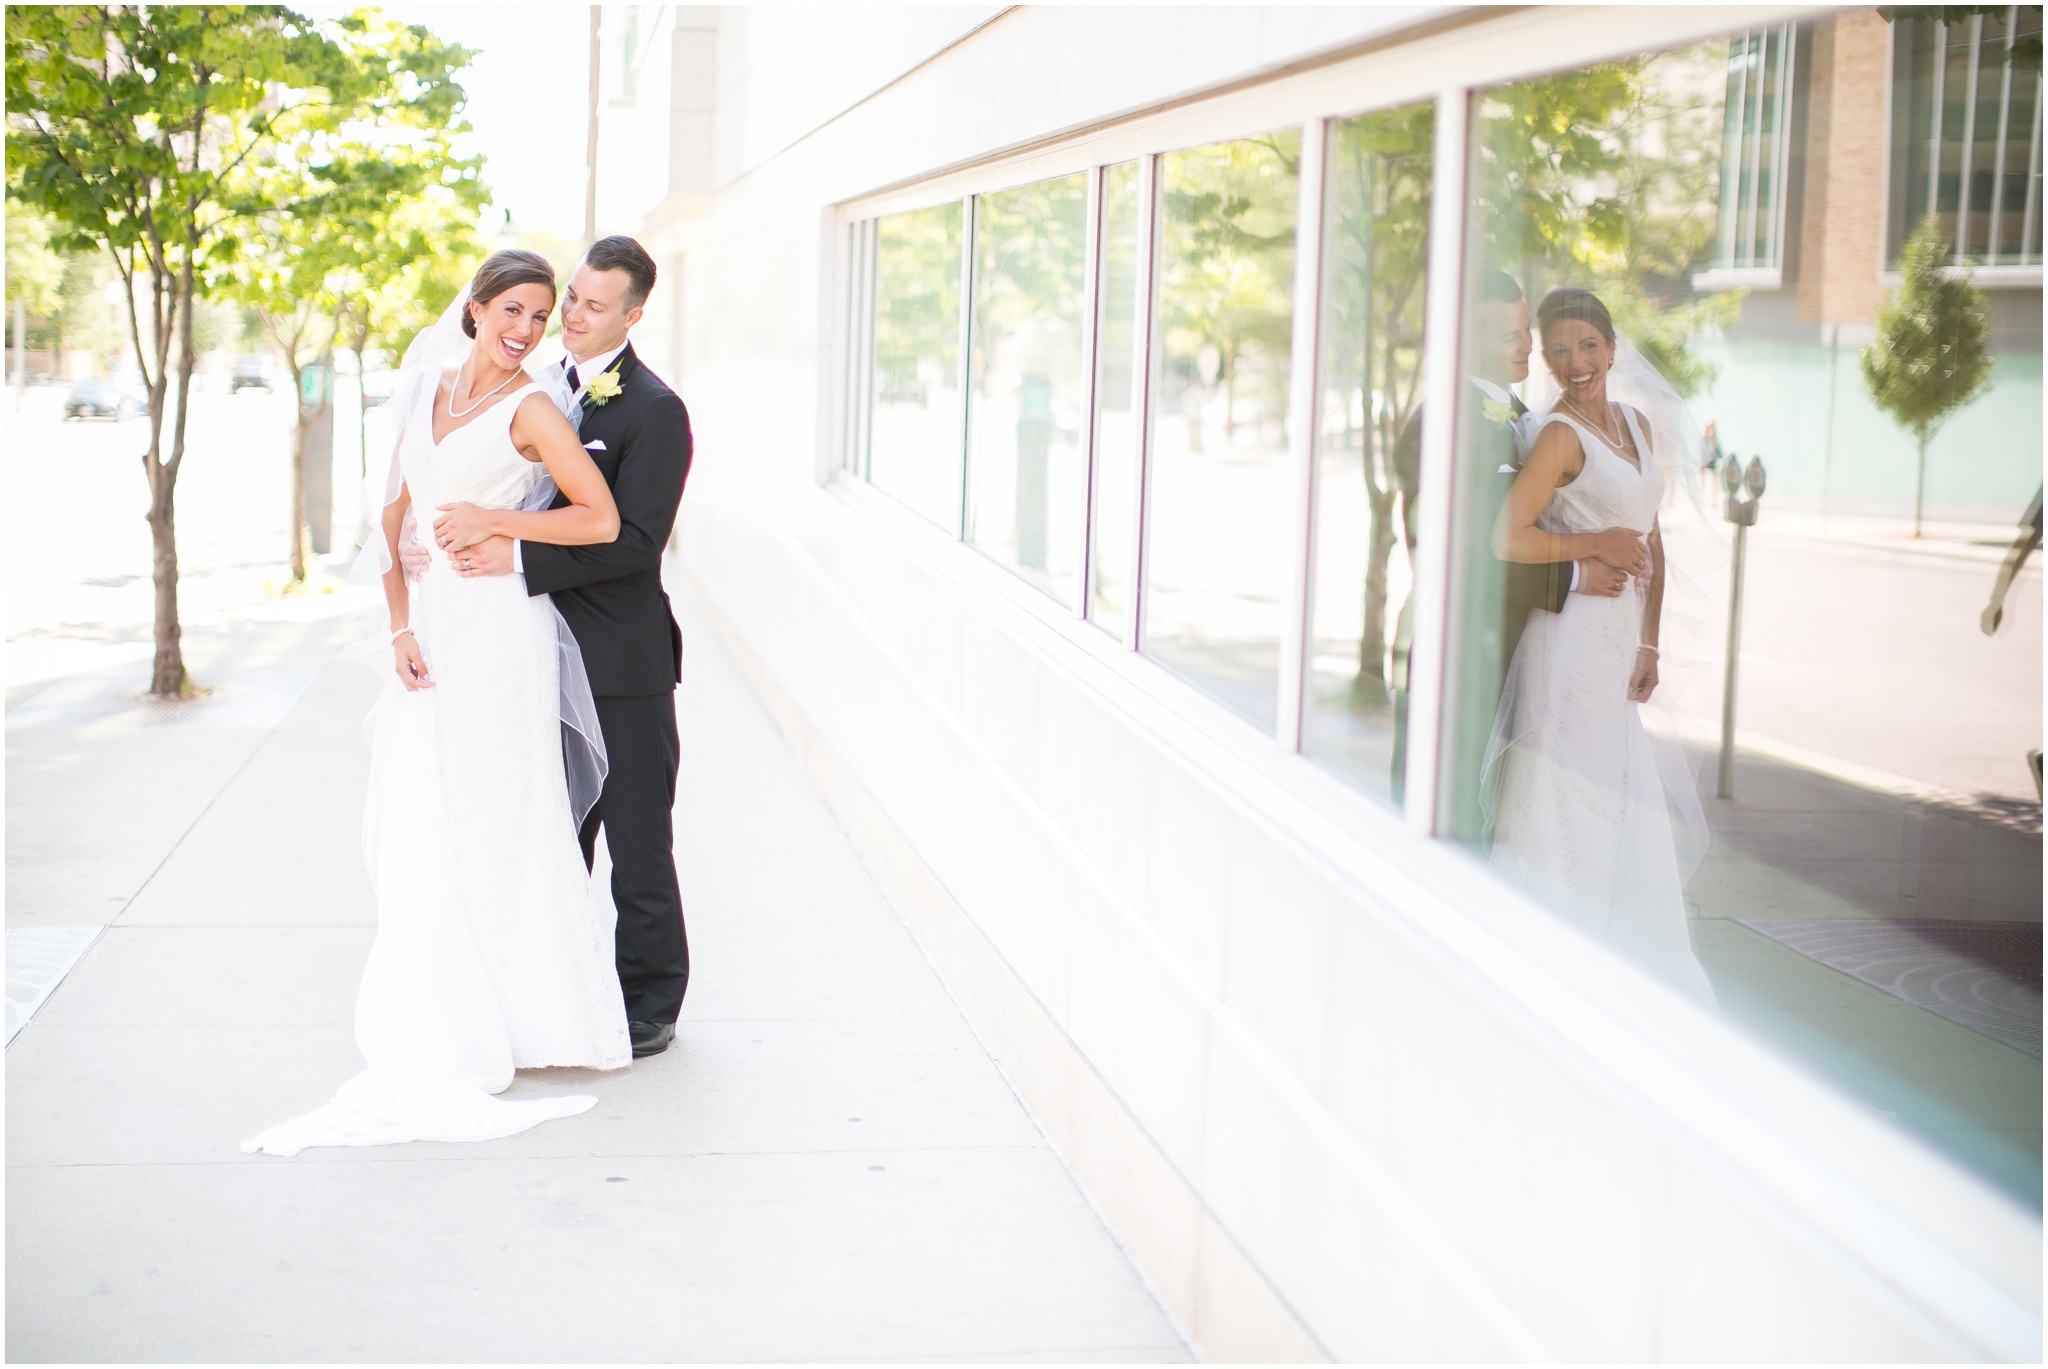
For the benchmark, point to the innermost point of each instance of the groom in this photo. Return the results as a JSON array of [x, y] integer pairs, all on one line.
[[1498, 348], [638, 433]]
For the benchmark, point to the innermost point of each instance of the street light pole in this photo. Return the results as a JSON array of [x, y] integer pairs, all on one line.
[[590, 127], [1743, 488]]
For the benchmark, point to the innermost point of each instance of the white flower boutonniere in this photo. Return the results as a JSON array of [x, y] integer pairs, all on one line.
[[603, 388], [1497, 411]]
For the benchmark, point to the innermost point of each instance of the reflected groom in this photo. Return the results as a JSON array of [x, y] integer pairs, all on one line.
[[1498, 347], [638, 433]]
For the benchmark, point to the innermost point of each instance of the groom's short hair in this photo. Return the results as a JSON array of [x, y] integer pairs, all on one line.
[[1498, 287], [621, 253]]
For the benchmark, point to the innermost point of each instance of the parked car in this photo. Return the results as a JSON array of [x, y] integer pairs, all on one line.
[[104, 397], [252, 371]]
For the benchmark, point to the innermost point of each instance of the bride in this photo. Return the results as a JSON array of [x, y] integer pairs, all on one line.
[[493, 950], [1583, 812]]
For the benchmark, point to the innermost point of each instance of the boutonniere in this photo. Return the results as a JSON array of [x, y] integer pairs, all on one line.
[[1497, 411], [602, 389]]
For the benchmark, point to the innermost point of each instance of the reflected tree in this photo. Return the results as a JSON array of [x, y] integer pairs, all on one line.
[[1376, 245], [1930, 357], [1608, 177], [1227, 271], [1030, 255], [917, 301]]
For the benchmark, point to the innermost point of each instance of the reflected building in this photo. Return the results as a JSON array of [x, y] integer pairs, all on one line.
[[1116, 474]]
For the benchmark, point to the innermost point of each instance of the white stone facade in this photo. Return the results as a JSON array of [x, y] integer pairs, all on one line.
[[1342, 1094]]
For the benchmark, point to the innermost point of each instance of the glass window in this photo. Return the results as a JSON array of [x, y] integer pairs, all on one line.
[[1119, 392], [1820, 815], [1966, 133], [1757, 129], [1219, 523], [1024, 470], [914, 423], [1368, 438]]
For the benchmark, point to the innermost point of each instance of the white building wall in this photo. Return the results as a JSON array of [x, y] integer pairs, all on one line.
[[1341, 1095]]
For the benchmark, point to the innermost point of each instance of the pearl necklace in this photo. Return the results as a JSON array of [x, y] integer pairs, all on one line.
[[1614, 440], [480, 403]]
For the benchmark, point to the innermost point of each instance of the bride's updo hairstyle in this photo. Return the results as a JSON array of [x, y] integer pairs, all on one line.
[[1572, 301], [502, 271]]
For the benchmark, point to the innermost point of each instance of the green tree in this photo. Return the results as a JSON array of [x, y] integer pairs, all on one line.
[[917, 299], [35, 274], [386, 317], [1376, 240], [1227, 266], [1608, 177], [351, 200], [137, 130], [1930, 357]]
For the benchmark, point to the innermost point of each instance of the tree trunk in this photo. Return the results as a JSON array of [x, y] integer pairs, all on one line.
[[1920, 486], [302, 421], [168, 678], [1371, 685], [167, 674], [298, 523]]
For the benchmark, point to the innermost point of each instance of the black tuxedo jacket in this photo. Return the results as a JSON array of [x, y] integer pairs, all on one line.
[[611, 593]]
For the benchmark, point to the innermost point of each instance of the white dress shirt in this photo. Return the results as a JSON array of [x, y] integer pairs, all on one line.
[[585, 370], [595, 366]]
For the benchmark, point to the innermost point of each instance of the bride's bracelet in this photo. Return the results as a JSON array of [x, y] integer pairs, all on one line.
[[402, 632], [1645, 646]]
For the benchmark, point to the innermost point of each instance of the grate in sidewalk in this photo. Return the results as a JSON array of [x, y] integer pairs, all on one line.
[[38, 958], [1982, 975]]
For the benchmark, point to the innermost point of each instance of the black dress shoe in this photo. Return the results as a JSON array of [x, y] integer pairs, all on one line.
[[650, 1038]]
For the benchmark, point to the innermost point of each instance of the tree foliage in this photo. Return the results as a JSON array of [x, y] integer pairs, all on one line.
[[35, 273], [1931, 355], [189, 143], [1608, 177], [1375, 253], [137, 130], [347, 204], [917, 300], [1227, 267]]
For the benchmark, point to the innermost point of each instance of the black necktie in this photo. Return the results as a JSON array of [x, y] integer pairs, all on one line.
[[570, 376]]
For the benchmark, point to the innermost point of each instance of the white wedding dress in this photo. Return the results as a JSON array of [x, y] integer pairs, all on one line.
[[494, 950], [1582, 815]]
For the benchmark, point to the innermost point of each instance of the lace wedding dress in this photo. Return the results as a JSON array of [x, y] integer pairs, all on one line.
[[1582, 811], [494, 950]]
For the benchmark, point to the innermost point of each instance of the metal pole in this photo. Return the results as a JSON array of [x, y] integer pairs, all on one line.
[[20, 351], [1827, 450], [1744, 487], [590, 127], [1726, 787]]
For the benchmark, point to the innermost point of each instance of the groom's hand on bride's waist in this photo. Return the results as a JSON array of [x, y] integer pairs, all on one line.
[[492, 556], [1595, 577]]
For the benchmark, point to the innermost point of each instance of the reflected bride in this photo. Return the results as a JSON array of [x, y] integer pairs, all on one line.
[[1583, 802]]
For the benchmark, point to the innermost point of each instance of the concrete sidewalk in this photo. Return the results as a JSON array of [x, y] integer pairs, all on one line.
[[826, 1166]]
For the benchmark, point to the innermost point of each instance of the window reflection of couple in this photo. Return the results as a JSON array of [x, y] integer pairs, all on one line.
[[1583, 800]]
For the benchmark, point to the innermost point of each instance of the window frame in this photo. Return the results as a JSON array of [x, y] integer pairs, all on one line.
[[1310, 102], [1770, 275], [2017, 276]]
